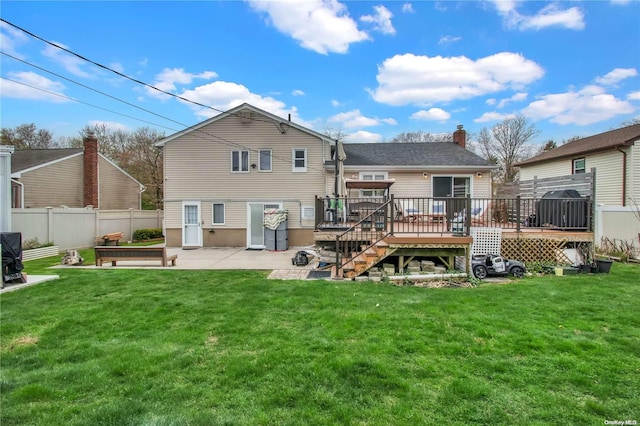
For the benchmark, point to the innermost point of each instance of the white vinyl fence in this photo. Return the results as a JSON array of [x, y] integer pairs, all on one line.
[[72, 228], [618, 223]]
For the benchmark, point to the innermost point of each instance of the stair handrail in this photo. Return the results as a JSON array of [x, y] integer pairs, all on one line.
[[354, 228]]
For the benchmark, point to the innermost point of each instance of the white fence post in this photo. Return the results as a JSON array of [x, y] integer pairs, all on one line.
[[49, 225]]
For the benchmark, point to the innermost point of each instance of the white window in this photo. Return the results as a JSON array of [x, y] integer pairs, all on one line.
[[299, 159], [308, 212], [240, 161], [264, 160], [579, 166], [372, 176], [218, 213], [451, 186]]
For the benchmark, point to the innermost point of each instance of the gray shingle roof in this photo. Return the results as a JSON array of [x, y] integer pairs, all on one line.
[[421, 154], [27, 158], [599, 142]]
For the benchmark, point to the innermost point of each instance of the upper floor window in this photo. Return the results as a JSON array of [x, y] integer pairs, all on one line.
[[372, 176], [579, 166], [299, 159], [239, 161], [264, 160]]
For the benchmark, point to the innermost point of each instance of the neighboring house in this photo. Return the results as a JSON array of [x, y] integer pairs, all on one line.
[[221, 174], [72, 177], [615, 156]]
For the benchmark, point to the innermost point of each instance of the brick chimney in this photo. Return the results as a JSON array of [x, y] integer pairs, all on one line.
[[460, 136], [90, 143]]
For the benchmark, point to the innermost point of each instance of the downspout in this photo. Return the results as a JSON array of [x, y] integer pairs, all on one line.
[[624, 176], [21, 192], [142, 189]]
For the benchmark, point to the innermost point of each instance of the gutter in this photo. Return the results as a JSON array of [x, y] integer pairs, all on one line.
[[21, 192], [624, 176]]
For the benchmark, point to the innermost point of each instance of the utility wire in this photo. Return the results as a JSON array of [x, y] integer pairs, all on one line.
[[85, 103], [222, 140], [117, 72]]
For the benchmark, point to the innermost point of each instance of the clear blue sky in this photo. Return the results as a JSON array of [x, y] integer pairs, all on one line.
[[372, 69]]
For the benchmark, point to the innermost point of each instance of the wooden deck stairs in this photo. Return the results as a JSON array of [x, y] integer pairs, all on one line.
[[361, 262]]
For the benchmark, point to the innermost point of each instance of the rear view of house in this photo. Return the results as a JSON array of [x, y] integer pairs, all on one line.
[[222, 174]]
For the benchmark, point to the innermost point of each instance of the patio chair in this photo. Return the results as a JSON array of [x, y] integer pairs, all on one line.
[[409, 212], [437, 211], [477, 215]]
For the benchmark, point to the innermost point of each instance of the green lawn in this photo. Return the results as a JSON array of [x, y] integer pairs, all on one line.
[[171, 347]]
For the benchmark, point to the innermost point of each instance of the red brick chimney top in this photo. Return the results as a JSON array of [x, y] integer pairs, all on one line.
[[460, 136]]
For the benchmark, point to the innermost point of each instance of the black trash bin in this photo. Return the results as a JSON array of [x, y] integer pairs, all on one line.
[[11, 256]]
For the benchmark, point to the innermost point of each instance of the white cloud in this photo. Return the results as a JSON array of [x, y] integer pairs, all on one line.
[[407, 8], [10, 89], [615, 76], [355, 118], [634, 96], [521, 96], [548, 16], [586, 106], [10, 39], [447, 39], [381, 20], [363, 136], [72, 64], [335, 103], [168, 78], [298, 93], [323, 26], [491, 101], [421, 80], [143, 62], [433, 114], [111, 125], [117, 67], [224, 95], [492, 116]]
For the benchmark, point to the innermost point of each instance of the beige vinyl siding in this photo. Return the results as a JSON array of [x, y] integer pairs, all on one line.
[[116, 189], [414, 184], [54, 185], [609, 174], [547, 169], [198, 167]]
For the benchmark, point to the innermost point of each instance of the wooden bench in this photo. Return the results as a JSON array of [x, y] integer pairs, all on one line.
[[114, 237], [115, 253]]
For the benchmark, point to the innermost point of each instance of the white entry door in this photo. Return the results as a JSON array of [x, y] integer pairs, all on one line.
[[255, 223], [191, 224]]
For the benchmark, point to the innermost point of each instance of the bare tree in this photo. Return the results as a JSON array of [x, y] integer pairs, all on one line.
[[335, 133], [27, 136], [422, 136], [511, 144]]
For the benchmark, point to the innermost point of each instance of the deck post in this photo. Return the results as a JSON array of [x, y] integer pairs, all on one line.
[[393, 214], [467, 219], [337, 255], [518, 213]]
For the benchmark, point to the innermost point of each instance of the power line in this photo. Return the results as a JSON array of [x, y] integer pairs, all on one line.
[[114, 71], [221, 140], [85, 103]]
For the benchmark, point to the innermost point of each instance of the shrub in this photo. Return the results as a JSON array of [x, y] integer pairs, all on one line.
[[147, 234], [33, 244]]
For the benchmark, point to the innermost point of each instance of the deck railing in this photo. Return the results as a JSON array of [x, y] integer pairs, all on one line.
[[417, 215]]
